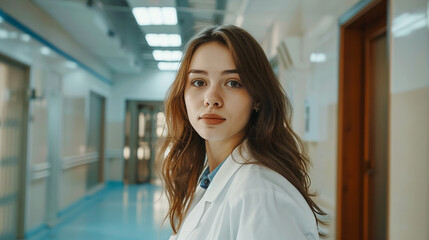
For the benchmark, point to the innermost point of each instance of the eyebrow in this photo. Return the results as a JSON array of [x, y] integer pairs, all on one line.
[[196, 71]]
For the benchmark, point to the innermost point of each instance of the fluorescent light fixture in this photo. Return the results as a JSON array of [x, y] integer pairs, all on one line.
[[45, 50], [407, 23], [317, 57], [168, 66], [163, 40], [25, 37], [70, 65], [155, 15], [164, 55]]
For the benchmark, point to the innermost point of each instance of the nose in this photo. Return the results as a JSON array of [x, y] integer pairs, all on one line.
[[212, 98]]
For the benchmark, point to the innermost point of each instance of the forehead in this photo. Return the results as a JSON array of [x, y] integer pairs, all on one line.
[[212, 56]]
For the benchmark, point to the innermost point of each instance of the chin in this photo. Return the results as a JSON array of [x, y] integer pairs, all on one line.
[[212, 137]]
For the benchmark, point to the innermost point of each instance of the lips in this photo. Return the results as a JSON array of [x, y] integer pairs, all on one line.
[[212, 119]]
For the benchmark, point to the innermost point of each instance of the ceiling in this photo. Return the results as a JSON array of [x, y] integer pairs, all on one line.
[[108, 29]]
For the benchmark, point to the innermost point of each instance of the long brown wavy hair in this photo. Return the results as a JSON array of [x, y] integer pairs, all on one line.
[[269, 134]]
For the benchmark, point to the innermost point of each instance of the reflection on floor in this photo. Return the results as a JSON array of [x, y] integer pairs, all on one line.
[[125, 212]]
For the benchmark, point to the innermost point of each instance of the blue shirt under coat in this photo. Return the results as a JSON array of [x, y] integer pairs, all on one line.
[[208, 176]]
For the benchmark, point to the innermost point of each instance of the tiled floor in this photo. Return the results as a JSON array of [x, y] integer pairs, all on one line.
[[121, 212]]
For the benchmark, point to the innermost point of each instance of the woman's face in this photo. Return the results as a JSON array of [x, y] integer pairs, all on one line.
[[217, 103]]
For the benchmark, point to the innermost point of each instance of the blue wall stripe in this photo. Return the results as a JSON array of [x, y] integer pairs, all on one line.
[[34, 35], [7, 236], [353, 11], [9, 161], [8, 199], [36, 230]]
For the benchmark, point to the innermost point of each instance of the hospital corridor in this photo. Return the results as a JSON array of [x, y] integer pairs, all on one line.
[[82, 91], [130, 212]]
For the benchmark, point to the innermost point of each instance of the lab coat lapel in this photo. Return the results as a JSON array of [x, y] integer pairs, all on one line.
[[196, 209], [231, 165], [226, 172]]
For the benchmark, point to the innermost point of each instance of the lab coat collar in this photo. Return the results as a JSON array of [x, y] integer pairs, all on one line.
[[231, 165]]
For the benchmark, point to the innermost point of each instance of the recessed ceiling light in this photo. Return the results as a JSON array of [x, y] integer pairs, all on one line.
[[163, 40], [45, 50], [155, 15], [164, 55], [168, 66]]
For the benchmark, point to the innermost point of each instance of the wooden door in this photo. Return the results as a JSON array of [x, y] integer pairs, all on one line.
[[363, 124], [376, 131]]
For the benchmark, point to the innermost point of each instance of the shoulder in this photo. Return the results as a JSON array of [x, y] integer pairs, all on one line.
[[261, 193], [253, 178]]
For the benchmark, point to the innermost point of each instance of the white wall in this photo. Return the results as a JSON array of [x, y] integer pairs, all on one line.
[[409, 122], [409, 111], [54, 83], [319, 33], [152, 85]]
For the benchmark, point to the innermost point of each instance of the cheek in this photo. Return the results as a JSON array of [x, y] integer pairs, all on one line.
[[247, 104], [243, 110], [187, 99], [191, 108], [188, 102]]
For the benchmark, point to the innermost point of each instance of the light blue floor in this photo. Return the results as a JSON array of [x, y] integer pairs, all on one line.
[[121, 212]]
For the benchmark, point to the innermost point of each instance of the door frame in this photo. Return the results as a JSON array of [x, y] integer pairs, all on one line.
[[24, 165], [130, 141], [351, 124], [101, 150], [375, 30]]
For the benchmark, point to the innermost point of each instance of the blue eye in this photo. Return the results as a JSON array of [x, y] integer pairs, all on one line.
[[233, 84], [198, 83]]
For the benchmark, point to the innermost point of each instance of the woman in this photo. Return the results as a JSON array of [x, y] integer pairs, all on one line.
[[232, 166]]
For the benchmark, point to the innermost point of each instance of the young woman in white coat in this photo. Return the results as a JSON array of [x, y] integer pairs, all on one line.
[[232, 166]]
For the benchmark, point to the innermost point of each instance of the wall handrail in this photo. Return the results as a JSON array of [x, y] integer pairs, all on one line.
[[79, 160]]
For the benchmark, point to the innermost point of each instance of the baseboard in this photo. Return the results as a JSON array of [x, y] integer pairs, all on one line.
[[36, 231], [82, 202]]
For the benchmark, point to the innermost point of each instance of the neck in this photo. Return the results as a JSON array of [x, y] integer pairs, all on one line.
[[218, 151]]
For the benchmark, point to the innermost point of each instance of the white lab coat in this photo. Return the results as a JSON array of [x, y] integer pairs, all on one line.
[[247, 202]]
